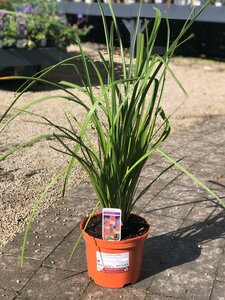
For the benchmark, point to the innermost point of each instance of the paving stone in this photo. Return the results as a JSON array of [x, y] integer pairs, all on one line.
[[50, 283], [183, 255], [39, 245], [203, 210], [155, 188], [220, 151], [94, 292], [60, 223], [74, 234], [207, 261], [173, 142], [185, 161], [182, 193], [215, 139], [209, 232], [165, 167], [143, 201], [185, 181], [207, 172], [218, 185], [74, 205], [59, 257], [144, 282], [210, 126], [159, 297], [150, 262], [212, 159], [167, 207], [153, 158], [221, 269], [81, 206], [12, 277], [218, 291], [151, 171], [7, 294], [162, 224], [183, 282], [194, 151], [84, 192], [162, 253]]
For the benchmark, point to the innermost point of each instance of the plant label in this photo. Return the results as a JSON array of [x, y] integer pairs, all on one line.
[[112, 262], [111, 224]]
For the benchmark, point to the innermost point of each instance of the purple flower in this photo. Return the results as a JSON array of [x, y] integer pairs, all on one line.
[[27, 9], [80, 16], [2, 14], [34, 10]]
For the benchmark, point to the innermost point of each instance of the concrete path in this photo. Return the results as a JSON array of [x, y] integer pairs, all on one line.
[[184, 255]]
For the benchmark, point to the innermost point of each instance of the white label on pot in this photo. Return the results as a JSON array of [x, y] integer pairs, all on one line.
[[112, 262]]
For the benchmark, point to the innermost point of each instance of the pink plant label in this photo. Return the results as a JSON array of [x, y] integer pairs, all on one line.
[[112, 262], [111, 224]]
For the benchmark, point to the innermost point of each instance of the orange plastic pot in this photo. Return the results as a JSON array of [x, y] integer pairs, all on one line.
[[114, 264]]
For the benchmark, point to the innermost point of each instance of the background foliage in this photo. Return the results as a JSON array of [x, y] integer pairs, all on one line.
[[36, 23]]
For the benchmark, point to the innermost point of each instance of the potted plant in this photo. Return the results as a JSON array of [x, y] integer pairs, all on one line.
[[9, 30], [38, 24], [126, 119]]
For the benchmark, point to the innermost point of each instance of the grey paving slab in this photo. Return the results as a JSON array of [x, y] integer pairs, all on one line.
[[95, 293], [60, 223], [207, 172], [7, 294], [221, 269], [59, 257], [83, 194], [214, 158], [185, 181], [182, 193], [156, 185], [183, 255], [152, 170], [210, 232], [182, 282], [203, 210], [12, 277], [162, 224], [220, 151], [206, 259], [168, 207], [218, 292], [159, 297], [219, 185], [39, 245], [74, 234], [50, 283], [163, 253], [214, 138], [195, 153]]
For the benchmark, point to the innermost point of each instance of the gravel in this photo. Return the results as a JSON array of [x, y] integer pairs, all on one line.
[[24, 175]]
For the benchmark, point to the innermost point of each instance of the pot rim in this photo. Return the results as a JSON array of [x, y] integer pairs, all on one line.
[[106, 242]]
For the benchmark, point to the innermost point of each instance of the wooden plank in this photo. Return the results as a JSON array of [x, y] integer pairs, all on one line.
[[178, 12]]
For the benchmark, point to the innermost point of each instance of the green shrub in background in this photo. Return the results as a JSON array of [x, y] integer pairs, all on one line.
[[35, 23]]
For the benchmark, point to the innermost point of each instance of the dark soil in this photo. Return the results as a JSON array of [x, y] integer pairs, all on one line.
[[133, 227]]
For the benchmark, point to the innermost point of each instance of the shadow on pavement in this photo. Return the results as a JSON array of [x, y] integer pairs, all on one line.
[[182, 246], [73, 72]]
